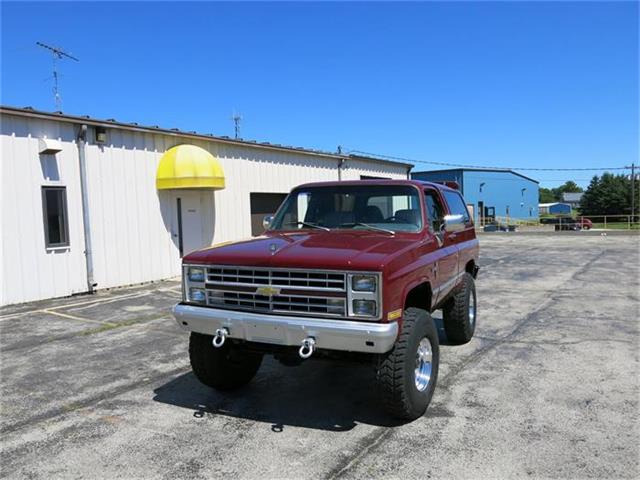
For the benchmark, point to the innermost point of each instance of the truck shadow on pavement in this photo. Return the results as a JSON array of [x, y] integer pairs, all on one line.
[[319, 394]]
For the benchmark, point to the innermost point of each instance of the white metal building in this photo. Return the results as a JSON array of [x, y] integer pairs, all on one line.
[[81, 206]]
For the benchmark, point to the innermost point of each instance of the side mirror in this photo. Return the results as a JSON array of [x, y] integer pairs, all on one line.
[[266, 221], [453, 223]]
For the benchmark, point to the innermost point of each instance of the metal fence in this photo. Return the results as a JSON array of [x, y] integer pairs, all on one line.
[[612, 222], [586, 222]]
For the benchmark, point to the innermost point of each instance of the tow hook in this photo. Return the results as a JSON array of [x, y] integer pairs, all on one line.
[[307, 348], [220, 337]]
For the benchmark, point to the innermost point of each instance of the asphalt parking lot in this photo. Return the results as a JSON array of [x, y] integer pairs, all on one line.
[[100, 387]]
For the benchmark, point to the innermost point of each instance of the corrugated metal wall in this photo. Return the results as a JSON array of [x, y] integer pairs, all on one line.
[[353, 169], [29, 270], [130, 220], [509, 194]]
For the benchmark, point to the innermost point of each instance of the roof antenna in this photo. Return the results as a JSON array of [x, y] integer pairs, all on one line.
[[237, 118], [58, 54]]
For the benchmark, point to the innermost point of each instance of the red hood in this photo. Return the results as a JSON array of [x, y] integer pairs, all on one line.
[[354, 250]]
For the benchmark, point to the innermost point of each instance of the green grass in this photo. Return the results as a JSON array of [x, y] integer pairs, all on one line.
[[617, 226]]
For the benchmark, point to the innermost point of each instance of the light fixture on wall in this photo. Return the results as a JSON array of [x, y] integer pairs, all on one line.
[[101, 135], [481, 185], [523, 190]]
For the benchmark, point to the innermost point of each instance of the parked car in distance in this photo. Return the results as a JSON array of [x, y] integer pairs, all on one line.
[[566, 222], [499, 227], [585, 223], [344, 271]]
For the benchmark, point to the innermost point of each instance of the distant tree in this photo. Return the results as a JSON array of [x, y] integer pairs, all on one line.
[[546, 195], [567, 187], [590, 202], [607, 195]]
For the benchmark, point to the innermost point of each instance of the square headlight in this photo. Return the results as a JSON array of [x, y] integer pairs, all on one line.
[[195, 274], [197, 295], [363, 283], [364, 308]]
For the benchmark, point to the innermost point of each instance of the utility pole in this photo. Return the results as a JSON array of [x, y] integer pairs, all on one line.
[[236, 124], [58, 54], [633, 192]]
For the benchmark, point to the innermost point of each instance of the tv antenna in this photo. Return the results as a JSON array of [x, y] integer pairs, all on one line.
[[237, 118], [57, 54]]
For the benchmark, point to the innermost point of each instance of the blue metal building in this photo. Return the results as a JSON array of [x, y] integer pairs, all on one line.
[[556, 208], [491, 193]]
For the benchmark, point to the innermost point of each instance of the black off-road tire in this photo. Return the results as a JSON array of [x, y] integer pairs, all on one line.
[[396, 369], [457, 322], [225, 368]]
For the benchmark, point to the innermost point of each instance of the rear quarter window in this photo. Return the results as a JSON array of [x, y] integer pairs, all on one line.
[[457, 205]]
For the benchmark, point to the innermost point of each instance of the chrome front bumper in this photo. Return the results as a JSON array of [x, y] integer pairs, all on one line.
[[329, 334]]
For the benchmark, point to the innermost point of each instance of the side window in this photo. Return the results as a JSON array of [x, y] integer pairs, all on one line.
[[456, 205], [54, 210], [435, 212]]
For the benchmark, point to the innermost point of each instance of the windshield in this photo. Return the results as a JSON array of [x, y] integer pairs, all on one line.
[[389, 208]]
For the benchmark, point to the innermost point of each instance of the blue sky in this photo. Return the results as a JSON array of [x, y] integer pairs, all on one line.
[[492, 84]]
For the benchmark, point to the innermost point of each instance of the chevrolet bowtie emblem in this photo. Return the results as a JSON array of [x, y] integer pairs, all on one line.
[[268, 291]]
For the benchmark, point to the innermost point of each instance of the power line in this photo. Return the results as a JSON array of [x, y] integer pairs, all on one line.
[[458, 165], [482, 177]]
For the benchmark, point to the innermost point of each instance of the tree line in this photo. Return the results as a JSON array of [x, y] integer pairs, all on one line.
[[607, 194], [551, 195]]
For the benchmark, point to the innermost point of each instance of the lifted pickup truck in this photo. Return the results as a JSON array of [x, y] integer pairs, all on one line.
[[343, 270]]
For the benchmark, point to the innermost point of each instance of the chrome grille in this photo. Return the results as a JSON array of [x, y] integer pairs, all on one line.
[[278, 304], [277, 278], [295, 291]]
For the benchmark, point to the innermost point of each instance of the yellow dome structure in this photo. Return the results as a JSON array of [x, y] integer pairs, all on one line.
[[188, 166]]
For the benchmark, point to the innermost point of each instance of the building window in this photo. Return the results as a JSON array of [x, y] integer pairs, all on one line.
[[54, 210]]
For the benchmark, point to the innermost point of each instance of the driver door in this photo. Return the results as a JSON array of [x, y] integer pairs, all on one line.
[[446, 266]]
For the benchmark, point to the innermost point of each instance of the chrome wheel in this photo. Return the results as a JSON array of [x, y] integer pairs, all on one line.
[[472, 309], [423, 368]]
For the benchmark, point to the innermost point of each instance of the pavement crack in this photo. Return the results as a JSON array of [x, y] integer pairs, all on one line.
[[370, 442], [86, 402], [448, 379], [367, 443], [104, 327], [559, 343]]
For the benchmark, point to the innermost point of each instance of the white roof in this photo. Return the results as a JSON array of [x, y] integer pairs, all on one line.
[[572, 196]]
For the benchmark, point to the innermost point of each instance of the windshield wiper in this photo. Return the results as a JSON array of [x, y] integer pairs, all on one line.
[[367, 226], [312, 225]]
